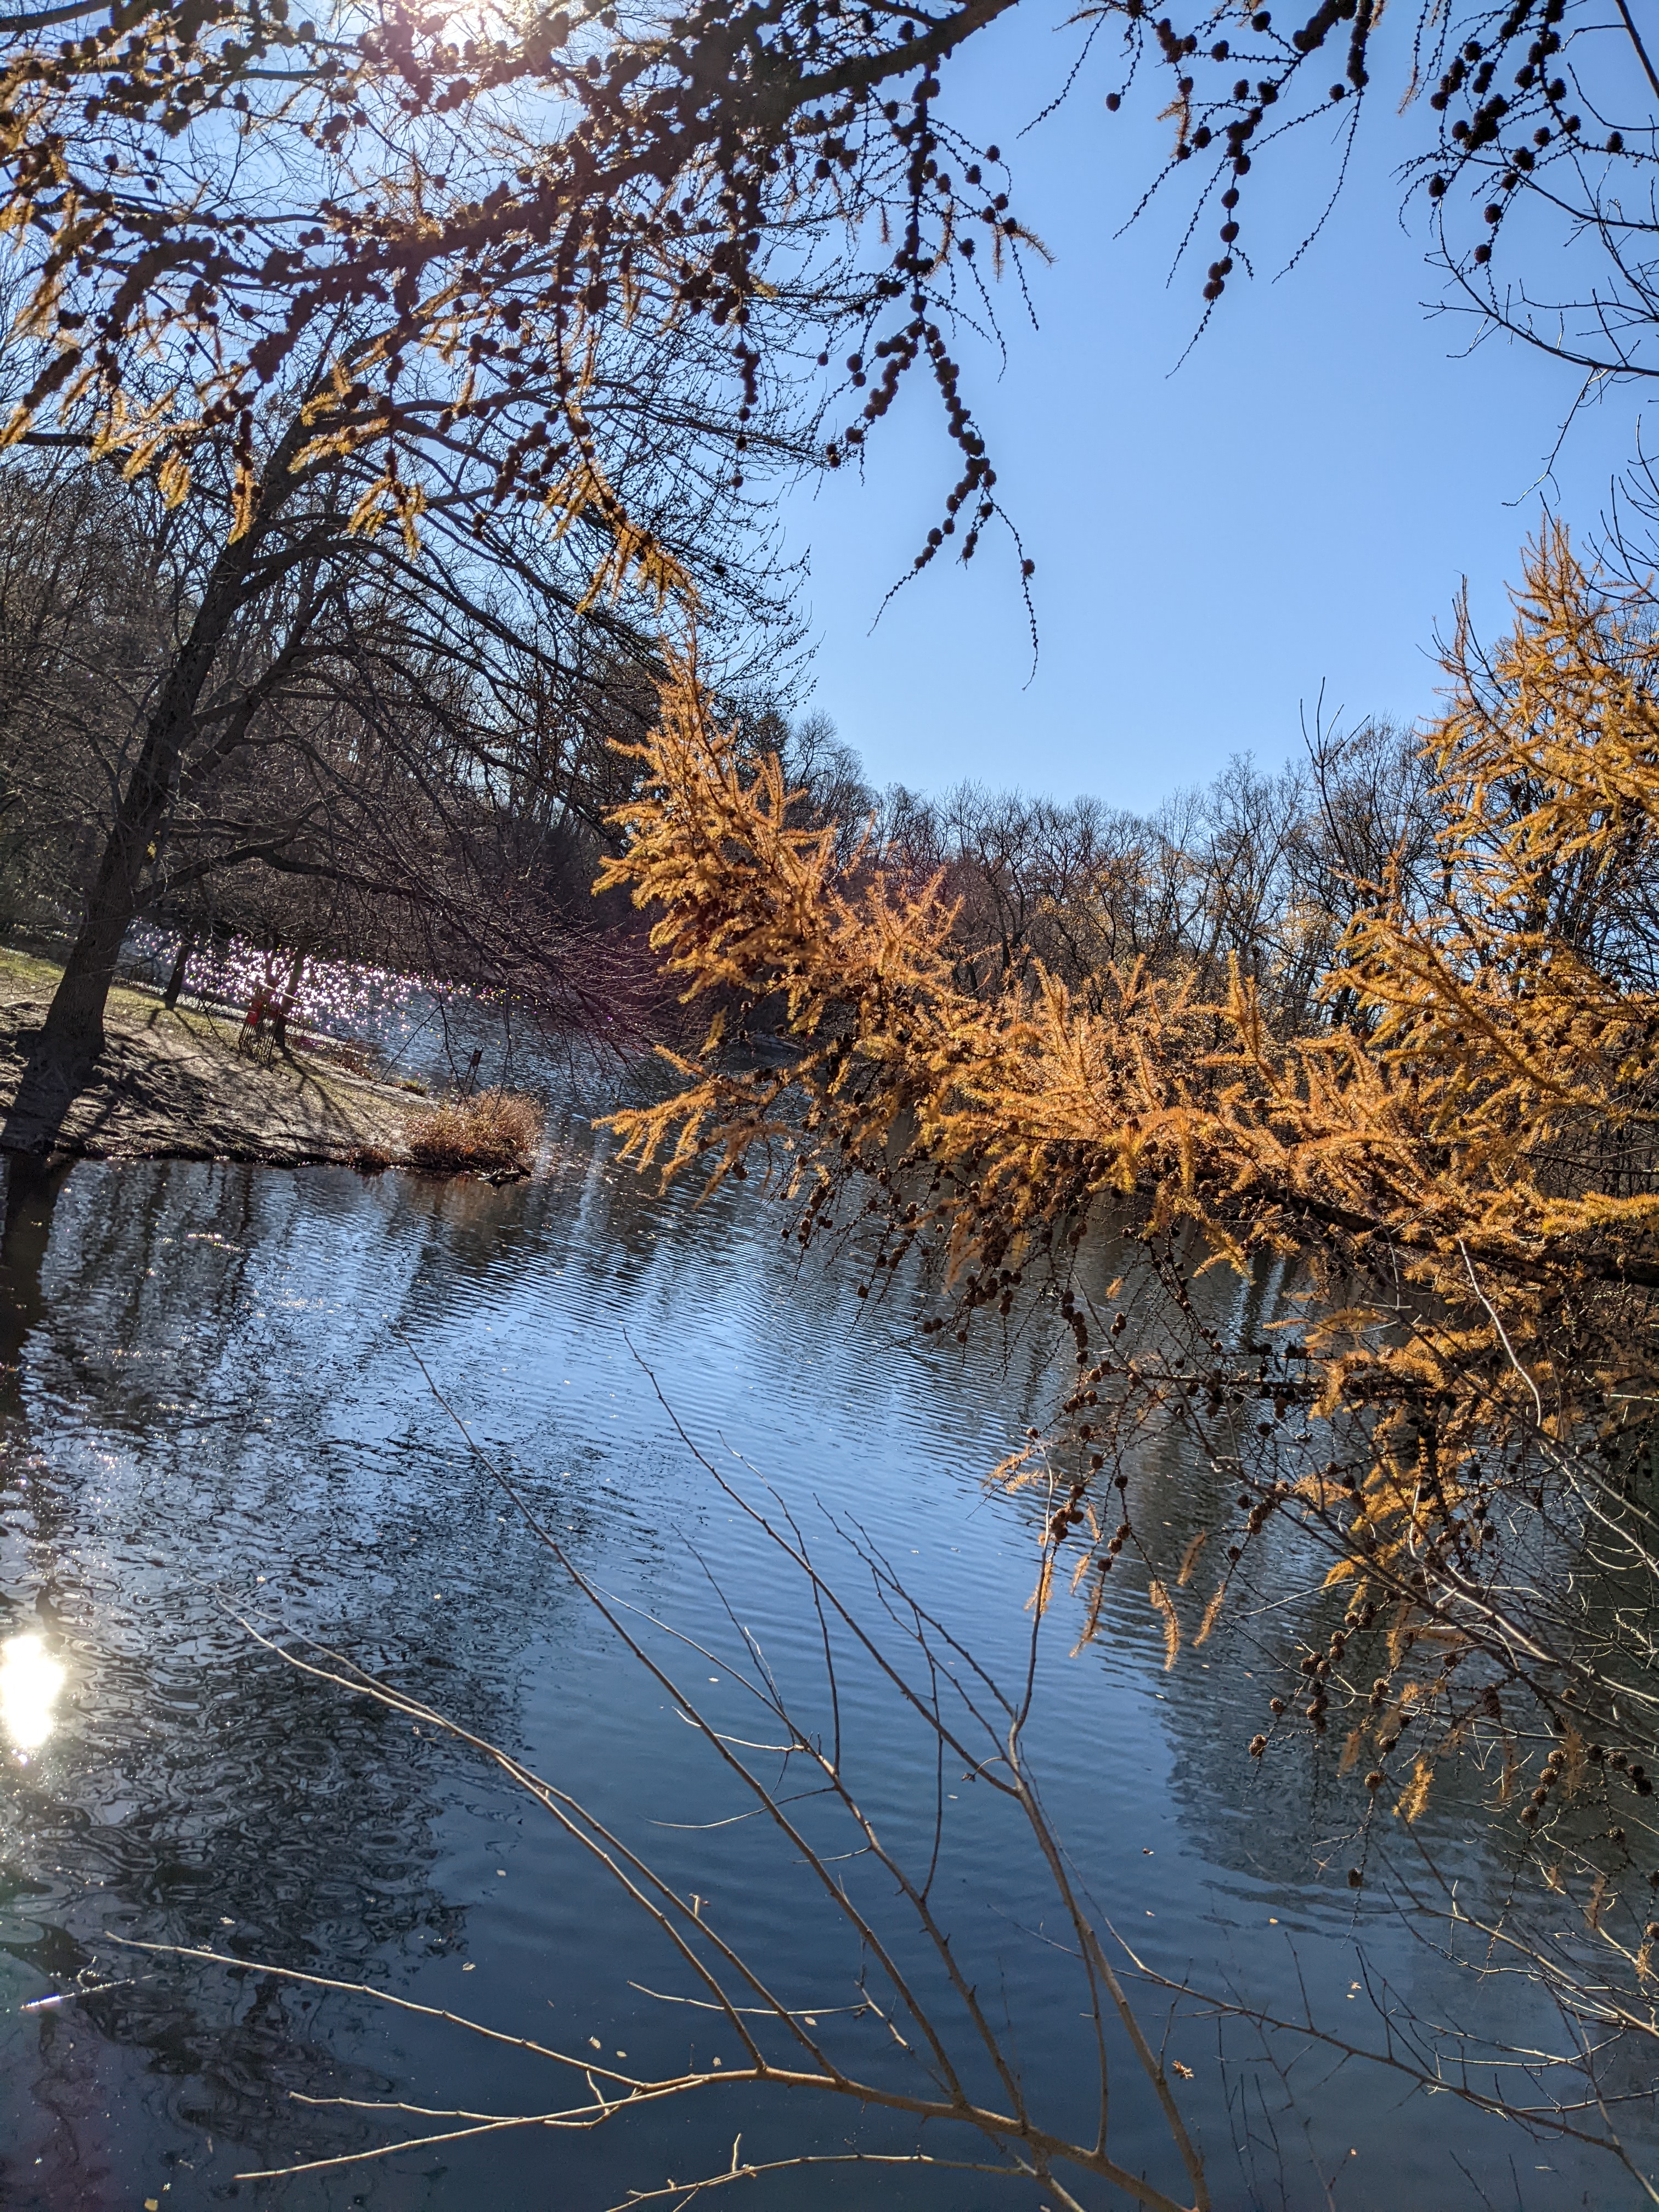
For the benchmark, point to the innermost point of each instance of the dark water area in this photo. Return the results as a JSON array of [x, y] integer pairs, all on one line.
[[216, 1429]]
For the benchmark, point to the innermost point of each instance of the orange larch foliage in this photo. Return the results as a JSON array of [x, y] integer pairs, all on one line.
[[1456, 1158]]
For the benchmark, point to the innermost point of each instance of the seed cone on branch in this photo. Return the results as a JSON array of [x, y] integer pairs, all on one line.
[[471, 230]]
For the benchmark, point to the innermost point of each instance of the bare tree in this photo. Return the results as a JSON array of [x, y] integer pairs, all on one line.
[[312, 694]]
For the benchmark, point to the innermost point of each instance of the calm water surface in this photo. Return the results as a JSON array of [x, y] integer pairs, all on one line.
[[217, 1419]]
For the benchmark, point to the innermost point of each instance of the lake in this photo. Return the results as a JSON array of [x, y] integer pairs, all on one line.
[[219, 1447]]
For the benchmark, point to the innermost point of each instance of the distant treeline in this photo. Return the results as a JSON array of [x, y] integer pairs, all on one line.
[[409, 765], [1265, 868]]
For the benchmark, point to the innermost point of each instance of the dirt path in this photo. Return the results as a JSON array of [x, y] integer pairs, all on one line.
[[172, 1085]]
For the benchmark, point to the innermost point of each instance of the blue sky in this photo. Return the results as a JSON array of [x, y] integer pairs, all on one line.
[[1294, 505]]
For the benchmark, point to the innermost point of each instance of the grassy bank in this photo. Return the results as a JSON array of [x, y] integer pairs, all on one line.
[[171, 1085]]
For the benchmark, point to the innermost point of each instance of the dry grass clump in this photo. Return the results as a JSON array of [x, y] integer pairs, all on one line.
[[495, 1131]]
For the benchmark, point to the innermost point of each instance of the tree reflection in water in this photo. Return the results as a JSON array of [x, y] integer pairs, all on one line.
[[210, 1409]]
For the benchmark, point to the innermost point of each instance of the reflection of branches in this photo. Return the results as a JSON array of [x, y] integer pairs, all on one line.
[[917, 2042], [920, 2042], [1441, 2058]]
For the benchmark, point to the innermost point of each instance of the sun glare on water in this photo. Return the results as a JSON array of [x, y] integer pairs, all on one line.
[[29, 1683]]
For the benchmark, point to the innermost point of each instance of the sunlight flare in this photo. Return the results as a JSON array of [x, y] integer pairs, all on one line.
[[29, 1682]]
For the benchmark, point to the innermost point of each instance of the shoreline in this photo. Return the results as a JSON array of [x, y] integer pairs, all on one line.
[[171, 1085]]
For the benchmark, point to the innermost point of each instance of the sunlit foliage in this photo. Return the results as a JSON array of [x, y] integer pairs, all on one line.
[[457, 224], [1454, 1160], [472, 234]]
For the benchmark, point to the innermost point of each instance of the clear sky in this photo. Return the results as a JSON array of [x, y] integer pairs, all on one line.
[[1293, 507]]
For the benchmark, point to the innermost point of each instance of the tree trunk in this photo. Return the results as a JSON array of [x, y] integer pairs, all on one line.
[[66, 1050], [176, 981], [285, 1003]]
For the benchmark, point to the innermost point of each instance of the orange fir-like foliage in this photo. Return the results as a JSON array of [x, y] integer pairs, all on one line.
[[1457, 1153], [1481, 1112]]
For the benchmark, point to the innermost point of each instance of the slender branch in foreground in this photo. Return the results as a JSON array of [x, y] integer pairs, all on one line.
[[920, 2046]]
